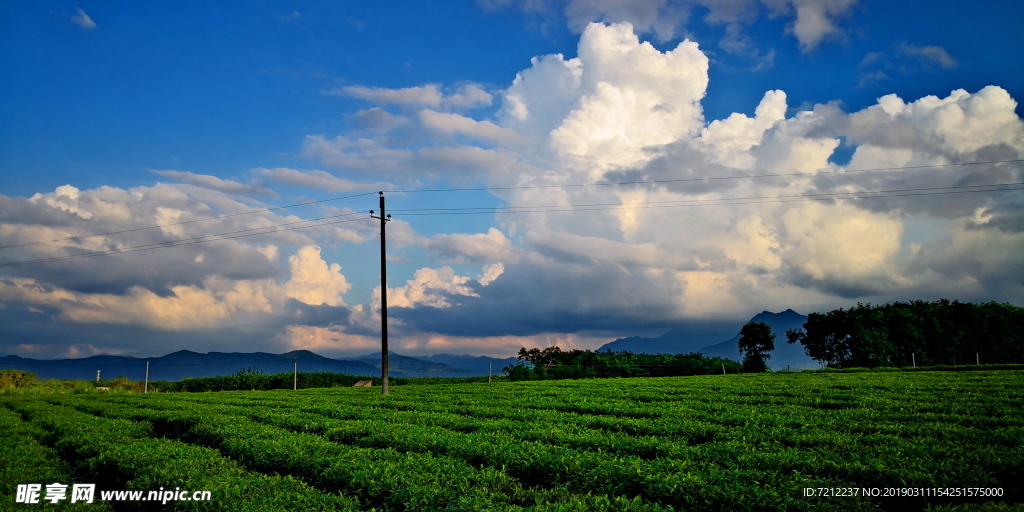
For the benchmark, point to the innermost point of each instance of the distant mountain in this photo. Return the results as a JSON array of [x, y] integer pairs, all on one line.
[[784, 355], [410, 365], [676, 341], [185, 363], [679, 342], [473, 365]]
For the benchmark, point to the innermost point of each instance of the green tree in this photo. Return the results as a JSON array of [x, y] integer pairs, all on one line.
[[756, 341]]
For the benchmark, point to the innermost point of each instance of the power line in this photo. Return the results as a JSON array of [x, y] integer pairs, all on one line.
[[522, 187], [187, 221], [877, 194], [709, 178]]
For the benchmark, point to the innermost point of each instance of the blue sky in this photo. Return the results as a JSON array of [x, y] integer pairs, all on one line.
[[119, 115]]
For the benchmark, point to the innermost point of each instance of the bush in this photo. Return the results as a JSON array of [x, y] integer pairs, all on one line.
[[16, 379]]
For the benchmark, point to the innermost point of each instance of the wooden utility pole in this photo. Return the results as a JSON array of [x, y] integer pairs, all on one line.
[[383, 297]]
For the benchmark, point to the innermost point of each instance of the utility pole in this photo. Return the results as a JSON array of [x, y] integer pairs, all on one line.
[[295, 373], [98, 375], [383, 297], [145, 388]]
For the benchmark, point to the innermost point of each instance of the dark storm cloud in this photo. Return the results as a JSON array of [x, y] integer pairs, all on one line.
[[528, 300]]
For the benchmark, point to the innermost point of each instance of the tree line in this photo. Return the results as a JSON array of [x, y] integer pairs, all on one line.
[[913, 333], [554, 363], [896, 334]]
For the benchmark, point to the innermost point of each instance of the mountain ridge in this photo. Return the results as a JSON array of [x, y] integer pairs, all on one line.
[[186, 363], [677, 341]]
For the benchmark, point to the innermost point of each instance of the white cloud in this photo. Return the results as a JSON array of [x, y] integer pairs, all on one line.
[[491, 272], [468, 96], [317, 179], [187, 308], [483, 130], [215, 183], [359, 154], [659, 16], [930, 54], [378, 120], [630, 96], [542, 95], [815, 19], [430, 287], [959, 124], [215, 302], [492, 246], [313, 281], [428, 95], [83, 20], [731, 139]]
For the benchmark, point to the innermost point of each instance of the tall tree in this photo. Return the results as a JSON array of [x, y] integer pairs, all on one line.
[[756, 341]]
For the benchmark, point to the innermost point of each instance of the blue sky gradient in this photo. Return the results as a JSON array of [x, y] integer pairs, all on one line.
[[160, 111]]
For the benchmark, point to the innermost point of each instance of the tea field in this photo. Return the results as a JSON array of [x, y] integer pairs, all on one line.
[[795, 442]]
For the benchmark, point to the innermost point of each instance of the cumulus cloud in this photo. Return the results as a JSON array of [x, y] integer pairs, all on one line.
[[732, 216], [69, 222], [226, 310], [632, 96], [313, 282], [683, 260]]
